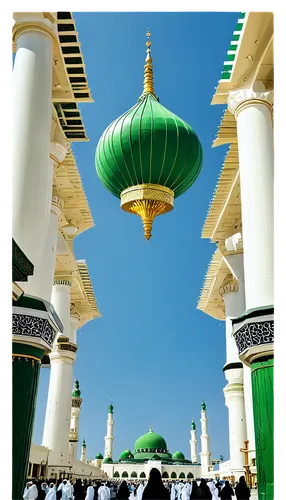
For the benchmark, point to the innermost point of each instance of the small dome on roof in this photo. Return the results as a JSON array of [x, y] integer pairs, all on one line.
[[108, 460], [125, 455], [178, 455], [203, 406], [98, 456]]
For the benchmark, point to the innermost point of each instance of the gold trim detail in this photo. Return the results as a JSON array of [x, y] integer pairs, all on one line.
[[148, 201], [20, 28], [33, 358], [250, 102], [148, 84]]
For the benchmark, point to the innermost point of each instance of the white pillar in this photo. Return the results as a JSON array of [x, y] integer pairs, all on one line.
[[41, 283], [109, 437], [206, 460], [253, 113], [61, 302], [193, 443], [32, 114], [235, 263], [233, 370], [74, 324], [62, 357]]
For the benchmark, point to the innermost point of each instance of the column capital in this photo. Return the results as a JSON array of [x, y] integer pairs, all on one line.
[[63, 280], [230, 287], [57, 204], [234, 243], [44, 22], [57, 153], [242, 98], [75, 316]]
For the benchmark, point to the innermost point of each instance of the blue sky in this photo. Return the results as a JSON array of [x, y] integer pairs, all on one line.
[[153, 353]]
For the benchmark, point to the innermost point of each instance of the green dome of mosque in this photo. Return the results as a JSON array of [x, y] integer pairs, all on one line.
[[108, 460], [150, 442], [193, 425], [178, 455], [98, 456], [110, 409], [125, 455], [203, 406], [148, 156], [76, 392]]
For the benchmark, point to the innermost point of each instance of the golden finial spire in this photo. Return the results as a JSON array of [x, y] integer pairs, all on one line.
[[148, 85]]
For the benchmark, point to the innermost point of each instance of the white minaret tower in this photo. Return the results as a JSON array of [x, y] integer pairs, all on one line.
[[206, 460], [75, 412], [109, 437], [83, 452], [193, 443]]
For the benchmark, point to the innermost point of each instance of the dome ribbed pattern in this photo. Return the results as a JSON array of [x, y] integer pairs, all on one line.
[[148, 145]]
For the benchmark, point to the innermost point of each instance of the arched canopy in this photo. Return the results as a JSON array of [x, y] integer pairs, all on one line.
[[182, 475], [116, 474], [143, 474], [124, 474], [133, 474], [165, 475], [190, 475], [174, 475]]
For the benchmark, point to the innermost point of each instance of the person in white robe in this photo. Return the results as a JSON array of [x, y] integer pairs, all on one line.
[[31, 492], [189, 490], [103, 493], [65, 488], [184, 492], [173, 491], [51, 493], [140, 491], [89, 493], [214, 490]]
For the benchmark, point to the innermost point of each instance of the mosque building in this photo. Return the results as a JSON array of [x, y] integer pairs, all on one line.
[[238, 286], [151, 450]]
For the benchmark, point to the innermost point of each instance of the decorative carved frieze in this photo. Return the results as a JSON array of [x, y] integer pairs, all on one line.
[[254, 334], [33, 327]]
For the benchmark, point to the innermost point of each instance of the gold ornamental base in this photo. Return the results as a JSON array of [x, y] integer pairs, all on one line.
[[148, 201]]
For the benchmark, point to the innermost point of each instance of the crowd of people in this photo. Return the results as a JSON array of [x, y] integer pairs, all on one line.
[[154, 489]]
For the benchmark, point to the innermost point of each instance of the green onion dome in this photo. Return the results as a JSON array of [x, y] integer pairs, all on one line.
[[108, 460], [110, 409], [148, 156], [84, 444], [203, 406], [99, 457], [193, 425]]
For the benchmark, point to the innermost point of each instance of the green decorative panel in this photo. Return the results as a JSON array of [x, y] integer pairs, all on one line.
[[263, 410], [21, 266], [26, 371]]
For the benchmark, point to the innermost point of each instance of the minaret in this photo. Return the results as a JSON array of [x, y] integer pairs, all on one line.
[[206, 461], [193, 443], [74, 425], [83, 452], [109, 437]]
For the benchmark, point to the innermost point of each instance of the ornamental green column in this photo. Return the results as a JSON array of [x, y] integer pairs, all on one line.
[[263, 410], [33, 329], [254, 336]]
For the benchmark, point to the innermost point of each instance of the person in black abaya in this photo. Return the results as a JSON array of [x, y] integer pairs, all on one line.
[[204, 493], [241, 490], [155, 489], [78, 490], [226, 492], [194, 493], [123, 492]]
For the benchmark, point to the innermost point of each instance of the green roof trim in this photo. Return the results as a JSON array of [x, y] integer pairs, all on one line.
[[234, 43]]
